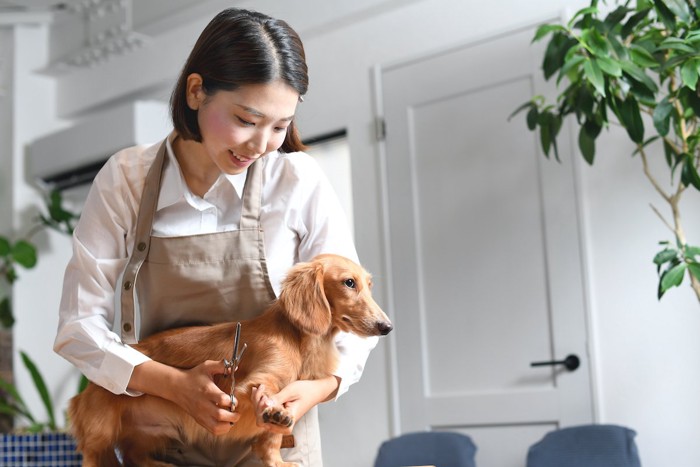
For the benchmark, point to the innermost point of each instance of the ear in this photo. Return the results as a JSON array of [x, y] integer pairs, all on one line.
[[194, 91], [304, 299]]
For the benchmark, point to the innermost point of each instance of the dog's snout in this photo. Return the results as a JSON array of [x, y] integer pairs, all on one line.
[[384, 327]]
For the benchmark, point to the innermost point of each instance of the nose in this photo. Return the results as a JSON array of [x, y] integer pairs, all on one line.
[[384, 327], [257, 143]]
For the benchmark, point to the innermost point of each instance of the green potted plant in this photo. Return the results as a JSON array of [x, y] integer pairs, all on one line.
[[22, 252], [637, 61], [39, 443]]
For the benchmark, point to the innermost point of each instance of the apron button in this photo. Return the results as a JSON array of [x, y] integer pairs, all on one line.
[[127, 285], [127, 327], [141, 246]]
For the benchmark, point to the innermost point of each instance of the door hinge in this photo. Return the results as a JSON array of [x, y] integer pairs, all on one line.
[[380, 128]]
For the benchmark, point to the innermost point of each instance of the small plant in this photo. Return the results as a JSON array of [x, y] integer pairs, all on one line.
[[640, 59], [22, 252], [11, 403]]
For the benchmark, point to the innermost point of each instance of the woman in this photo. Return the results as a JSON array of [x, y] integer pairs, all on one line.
[[203, 226]]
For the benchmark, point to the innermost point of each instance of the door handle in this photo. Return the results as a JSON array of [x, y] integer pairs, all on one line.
[[571, 362]]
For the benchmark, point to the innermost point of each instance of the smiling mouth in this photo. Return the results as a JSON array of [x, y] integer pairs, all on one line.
[[239, 158]]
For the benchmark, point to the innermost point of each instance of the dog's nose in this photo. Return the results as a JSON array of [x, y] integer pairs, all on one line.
[[384, 327]]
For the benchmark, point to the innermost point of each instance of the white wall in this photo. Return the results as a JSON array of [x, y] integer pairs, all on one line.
[[646, 354]]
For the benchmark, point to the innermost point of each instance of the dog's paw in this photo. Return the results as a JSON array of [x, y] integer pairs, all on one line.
[[277, 416]]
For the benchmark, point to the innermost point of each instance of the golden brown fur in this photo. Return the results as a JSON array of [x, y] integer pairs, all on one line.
[[291, 340]]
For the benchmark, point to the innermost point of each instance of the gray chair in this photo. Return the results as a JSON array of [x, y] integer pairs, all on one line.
[[586, 446], [438, 448]]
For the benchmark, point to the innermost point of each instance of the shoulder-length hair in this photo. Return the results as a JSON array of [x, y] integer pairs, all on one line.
[[240, 47]]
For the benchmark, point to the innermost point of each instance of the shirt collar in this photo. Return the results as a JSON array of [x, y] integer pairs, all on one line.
[[173, 187], [172, 184]]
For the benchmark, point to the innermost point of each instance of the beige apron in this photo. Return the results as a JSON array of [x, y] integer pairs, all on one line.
[[204, 279]]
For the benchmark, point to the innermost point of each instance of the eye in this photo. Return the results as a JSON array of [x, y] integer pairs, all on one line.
[[350, 283], [245, 122]]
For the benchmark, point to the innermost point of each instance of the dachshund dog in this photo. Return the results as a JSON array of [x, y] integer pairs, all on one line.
[[292, 339]]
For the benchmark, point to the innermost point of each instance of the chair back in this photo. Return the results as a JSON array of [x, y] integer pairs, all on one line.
[[586, 446], [429, 448]]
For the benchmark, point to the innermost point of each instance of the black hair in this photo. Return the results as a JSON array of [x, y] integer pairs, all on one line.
[[236, 48]]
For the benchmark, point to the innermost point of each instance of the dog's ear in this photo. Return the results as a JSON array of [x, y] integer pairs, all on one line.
[[304, 299]]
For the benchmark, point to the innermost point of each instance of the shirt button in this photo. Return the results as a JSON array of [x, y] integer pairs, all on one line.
[[141, 246], [127, 327], [127, 285]]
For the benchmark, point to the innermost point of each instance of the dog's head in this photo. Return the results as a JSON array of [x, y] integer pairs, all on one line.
[[332, 292]]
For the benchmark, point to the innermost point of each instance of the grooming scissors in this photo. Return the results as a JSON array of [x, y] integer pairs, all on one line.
[[232, 364]]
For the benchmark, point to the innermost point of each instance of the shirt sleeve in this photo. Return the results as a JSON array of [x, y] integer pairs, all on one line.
[[326, 230], [87, 309]]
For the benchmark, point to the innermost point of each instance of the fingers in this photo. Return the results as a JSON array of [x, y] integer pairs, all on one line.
[[205, 401], [215, 367]]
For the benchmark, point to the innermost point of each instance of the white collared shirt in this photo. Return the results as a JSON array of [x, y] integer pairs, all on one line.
[[300, 216]]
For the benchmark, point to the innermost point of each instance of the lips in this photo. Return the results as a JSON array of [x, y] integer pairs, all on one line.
[[240, 161]]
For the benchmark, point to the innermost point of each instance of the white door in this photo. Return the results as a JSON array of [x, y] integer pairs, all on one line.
[[486, 268]]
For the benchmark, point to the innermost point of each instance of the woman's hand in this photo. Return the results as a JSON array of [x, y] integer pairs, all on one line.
[[297, 399], [193, 390]]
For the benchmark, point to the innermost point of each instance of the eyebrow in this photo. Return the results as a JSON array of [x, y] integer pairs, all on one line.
[[257, 113]]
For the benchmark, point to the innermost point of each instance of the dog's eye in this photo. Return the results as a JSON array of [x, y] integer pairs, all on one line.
[[349, 283]]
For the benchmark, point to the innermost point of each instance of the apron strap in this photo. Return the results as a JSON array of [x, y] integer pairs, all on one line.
[[142, 242], [252, 197]]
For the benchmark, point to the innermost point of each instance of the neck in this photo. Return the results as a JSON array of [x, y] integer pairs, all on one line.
[[199, 171]]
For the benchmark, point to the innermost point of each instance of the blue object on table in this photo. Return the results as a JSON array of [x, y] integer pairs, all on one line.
[[438, 448], [586, 446]]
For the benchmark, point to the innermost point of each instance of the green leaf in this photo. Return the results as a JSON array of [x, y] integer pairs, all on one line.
[[6, 318], [689, 74], [691, 252], [665, 14], [554, 55], [594, 75], [690, 99], [662, 116], [610, 66], [641, 57], [41, 388], [4, 246], [545, 29], [674, 43], [679, 8], [570, 62], [545, 134], [689, 173], [24, 253], [82, 384], [673, 277], [616, 16], [587, 145], [595, 42], [694, 269], [532, 116], [18, 407], [665, 255], [585, 11], [633, 21], [521, 108], [637, 74], [632, 119]]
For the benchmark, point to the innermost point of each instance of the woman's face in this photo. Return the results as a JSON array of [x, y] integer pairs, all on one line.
[[240, 126]]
